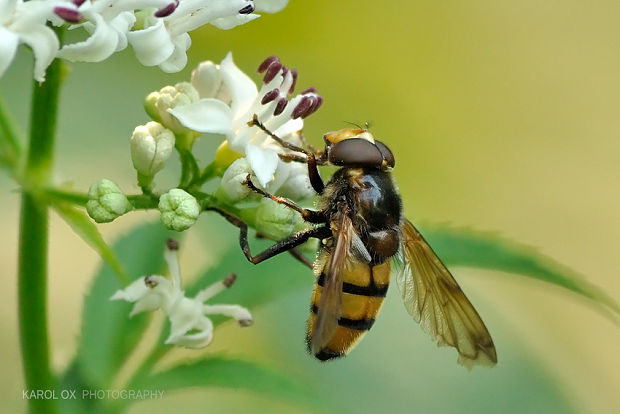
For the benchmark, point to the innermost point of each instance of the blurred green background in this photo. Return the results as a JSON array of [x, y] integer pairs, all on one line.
[[503, 117]]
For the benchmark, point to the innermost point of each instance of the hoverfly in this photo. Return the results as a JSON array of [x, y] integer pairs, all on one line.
[[364, 238]]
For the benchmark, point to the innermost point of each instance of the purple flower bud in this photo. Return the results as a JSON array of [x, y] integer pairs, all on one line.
[[270, 96], [167, 10], [301, 108], [282, 102], [309, 90], [247, 9], [266, 63], [272, 71], [68, 15], [292, 88]]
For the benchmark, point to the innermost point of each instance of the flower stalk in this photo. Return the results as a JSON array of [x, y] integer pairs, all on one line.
[[33, 241]]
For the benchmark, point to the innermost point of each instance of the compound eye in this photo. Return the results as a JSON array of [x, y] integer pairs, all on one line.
[[386, 153], [355, 152]]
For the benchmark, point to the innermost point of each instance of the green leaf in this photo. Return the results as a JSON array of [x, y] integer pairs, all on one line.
[[219, 371], [108, 334], [88, 231], [476, 249]]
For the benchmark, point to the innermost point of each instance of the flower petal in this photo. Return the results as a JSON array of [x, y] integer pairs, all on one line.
[[151, 295], [270, 6], [242, 89], [152, 45], [122, 24], [263, 161], [291, 126], [178, 59], [229, 22], [8, 47], [195, 340], [99, 46], [44, 44], [205, 115]]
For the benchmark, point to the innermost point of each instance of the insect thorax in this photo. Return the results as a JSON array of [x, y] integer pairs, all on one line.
[[374, 205]]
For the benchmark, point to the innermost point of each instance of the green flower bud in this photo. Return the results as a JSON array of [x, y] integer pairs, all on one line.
[[151, 146], [179, 209], [168, 97], [232, 187], [277, 221], [107, 202]]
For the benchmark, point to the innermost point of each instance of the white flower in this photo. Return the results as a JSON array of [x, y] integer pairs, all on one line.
[[185, 314], [107, 22], [26, 23], [164, 40], [242, 101], [157, 29]]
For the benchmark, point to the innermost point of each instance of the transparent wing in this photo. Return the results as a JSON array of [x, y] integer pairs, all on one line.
[[435, 300], [330, 302]]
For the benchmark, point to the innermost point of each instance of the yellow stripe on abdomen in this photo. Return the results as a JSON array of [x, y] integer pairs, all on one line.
[[363, 291]]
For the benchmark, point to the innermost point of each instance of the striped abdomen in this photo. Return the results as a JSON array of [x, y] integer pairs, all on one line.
[[364, 288]]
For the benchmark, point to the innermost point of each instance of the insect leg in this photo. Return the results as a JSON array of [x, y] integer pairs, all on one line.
[[294, 252], [310, 216], [313, 171], [280, 247]]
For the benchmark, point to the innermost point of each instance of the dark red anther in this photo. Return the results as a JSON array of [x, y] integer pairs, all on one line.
[[167, 10], [309, 90], [317, 101], [247, 9], [270, 96], [230, 279], [78, 3], [292, 88], [301, 108], [282, 102], [272, 71], [172, 244], [68, 15], [266, 63]]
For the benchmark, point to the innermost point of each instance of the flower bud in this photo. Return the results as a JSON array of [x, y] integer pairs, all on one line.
[[107, 202], [207, 79], [277, 221], [232, 187], [151, 146], [179, 209], [158, 103], [297, 185]]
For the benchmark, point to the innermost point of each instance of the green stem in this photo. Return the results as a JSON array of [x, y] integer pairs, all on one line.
[[9, 137], [210, 171], [138, 201], [33, 242]]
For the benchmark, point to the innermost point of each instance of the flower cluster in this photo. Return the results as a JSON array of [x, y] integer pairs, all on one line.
[[228, 99], [156, 29], [189, 325], [219, 101]]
